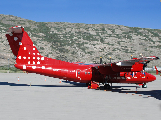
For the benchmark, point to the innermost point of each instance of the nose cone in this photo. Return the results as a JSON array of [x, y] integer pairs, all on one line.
[[151, 77]]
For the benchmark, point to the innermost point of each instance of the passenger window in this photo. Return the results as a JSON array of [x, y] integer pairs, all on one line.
[[85, 72], [88, 72], [78, 72]]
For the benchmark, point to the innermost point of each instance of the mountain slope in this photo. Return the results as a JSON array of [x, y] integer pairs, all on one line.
[[83, 42]]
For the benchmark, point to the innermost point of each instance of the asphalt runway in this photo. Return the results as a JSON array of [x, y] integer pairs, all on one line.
[[37, 97]]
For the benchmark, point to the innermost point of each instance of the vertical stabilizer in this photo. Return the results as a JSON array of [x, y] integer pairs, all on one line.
[[22, 46]]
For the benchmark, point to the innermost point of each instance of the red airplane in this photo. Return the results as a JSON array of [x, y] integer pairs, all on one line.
[[30, 60]]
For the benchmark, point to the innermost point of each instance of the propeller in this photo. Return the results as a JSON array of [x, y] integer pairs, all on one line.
[[145, 65]]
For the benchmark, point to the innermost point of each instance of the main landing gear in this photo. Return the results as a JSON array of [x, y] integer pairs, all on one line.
[[107, 86], [144, 85]]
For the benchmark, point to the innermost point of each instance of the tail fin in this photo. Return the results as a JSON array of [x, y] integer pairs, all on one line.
[[22, 46], [27, 56]]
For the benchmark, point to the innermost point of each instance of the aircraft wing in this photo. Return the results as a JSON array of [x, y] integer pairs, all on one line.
[[133, 65]]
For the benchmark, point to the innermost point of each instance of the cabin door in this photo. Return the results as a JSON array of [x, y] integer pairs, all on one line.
[[78, 74]]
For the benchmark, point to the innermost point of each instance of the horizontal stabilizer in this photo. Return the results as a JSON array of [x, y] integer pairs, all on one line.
[[17, 29]]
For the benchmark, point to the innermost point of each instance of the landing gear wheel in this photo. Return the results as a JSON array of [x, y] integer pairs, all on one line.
[[144, 85], [107, 86]]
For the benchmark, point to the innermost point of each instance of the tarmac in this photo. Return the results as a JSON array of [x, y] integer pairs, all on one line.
[[36, 97]]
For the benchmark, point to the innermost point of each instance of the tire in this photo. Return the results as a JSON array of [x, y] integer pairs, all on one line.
[[144, 86], [107, 86]]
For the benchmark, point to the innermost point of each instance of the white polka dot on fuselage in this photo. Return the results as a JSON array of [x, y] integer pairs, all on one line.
[[15, 38]]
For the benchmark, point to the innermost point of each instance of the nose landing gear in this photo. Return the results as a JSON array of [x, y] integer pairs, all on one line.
[[144, 85]]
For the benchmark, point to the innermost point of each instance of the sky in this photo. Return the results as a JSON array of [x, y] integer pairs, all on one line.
[[132, 13]]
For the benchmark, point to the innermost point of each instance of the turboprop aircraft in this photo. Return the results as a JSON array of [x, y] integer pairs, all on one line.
[[30, 60]]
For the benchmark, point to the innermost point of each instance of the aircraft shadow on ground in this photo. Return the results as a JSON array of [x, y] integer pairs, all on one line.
[[13, 84], [73, 85], [120, 89], [152, 93]]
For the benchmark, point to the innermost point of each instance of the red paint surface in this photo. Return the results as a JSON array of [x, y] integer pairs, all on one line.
[[30, 60]]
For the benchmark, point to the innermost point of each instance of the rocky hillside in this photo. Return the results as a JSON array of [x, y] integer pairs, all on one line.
[[83, 42]]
